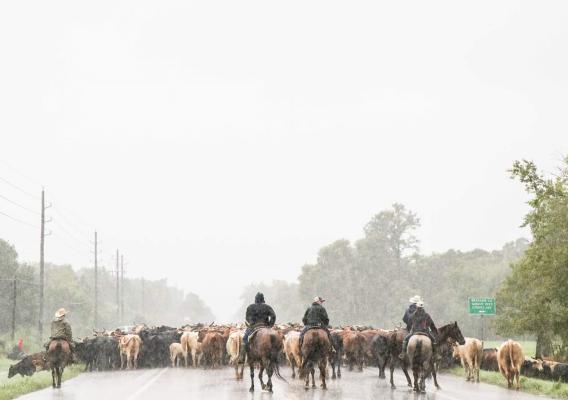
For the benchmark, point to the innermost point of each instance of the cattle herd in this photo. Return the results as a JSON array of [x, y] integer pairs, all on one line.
[[213, 346]]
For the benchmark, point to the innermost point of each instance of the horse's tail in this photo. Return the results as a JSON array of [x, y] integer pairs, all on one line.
[[275, 349]]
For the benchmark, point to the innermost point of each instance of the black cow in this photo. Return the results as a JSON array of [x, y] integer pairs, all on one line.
[[555, 371], [532, 368], [155, 350], [28, 365], [489, 360], [381, 353], [100, 353], [337, 343]]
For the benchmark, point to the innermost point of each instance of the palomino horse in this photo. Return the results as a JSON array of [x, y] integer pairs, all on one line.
[[316, 349], [58, 356], [264, 349], [449, 333]]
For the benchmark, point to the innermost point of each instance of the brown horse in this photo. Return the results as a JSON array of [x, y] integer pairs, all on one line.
[[58, 356], [422, 357], [264, 348], [316, 349]]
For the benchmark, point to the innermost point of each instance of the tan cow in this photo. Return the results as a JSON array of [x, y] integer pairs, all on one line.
[[190, 344], [292, 350], [176, 354], [234, 344], [129, 346], [212, 347], [470, 355], [510, 358]]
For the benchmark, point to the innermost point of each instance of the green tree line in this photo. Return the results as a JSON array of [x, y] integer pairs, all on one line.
[[153, 302]]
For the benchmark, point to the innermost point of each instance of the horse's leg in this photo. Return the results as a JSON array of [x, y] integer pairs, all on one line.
[[251, 366], [61, 369], [53, 377], [339, 357], [416, 378], [270, 371], [306, 370], [322, 365], [313, 373], [260, 375], [333, 376], [292, 364], [404, 366], [391, 368]]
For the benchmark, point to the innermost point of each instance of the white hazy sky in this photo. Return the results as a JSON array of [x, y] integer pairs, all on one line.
[[222, 143]]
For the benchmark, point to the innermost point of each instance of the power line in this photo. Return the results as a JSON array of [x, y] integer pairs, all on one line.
[[68, 221], [64, 230], [19, 220], [19, 188], [19, 205]]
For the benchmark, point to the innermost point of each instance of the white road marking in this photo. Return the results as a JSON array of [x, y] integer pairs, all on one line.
[[146, 385]]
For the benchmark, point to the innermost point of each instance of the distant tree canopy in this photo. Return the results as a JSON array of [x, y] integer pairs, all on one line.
[[533, 297], [370, 282], [154, 302]]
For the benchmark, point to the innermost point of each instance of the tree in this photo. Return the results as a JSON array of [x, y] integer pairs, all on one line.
[[532, 299]]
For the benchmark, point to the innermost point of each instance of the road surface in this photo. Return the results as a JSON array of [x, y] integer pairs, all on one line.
[[169, 383]]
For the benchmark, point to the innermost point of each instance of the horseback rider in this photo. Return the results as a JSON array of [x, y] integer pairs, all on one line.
[[60, 329], [316, 317], [420, 322], [411, 308], [258, 314]]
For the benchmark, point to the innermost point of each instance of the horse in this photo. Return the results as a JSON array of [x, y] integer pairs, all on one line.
[[264, 348], [420, 354], [58, 356], [316, 349]]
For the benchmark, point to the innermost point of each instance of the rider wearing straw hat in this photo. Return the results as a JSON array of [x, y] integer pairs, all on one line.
[[60, 328]]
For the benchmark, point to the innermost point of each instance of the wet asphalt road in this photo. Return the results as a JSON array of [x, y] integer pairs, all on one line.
[[168, 383]]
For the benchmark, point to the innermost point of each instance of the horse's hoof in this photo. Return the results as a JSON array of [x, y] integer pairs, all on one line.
[[333, 377], [263, 386], [251, 390]]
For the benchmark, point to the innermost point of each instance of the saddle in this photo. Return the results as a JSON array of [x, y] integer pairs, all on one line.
[[254, 332]]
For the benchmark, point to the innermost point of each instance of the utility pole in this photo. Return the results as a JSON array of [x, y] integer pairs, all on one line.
[[122, 287], [143, 305], [117, 289], [14, 292], [41, 265], [96, 321]]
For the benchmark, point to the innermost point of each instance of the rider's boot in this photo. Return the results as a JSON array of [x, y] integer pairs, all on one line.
[[243, 353]]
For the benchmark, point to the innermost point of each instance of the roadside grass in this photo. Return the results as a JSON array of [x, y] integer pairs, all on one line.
[[557, 390], [18, 385], [529, 346]]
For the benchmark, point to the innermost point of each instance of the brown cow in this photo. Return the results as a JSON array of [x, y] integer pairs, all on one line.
[[212, 347], [510, 358], [489, 360], [129, 346], [354, 348], [292, 350], [470, 355]]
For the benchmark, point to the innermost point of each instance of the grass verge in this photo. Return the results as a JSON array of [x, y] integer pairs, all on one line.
[[557, 390], [18, 385]]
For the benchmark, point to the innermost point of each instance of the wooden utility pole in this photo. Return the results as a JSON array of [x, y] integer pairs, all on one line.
[[41, 265], [96, 319], [14, 295], [122, 288], [117, 289]]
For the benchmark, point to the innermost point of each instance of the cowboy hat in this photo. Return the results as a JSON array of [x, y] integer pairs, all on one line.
[[60, 313], [414, 299], [318, 299]]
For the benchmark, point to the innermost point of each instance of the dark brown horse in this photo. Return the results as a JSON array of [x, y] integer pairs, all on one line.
[[316, 350], [58, 356], [264, 348]]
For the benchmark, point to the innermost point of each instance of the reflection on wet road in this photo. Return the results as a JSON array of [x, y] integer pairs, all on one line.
[[167, 384]]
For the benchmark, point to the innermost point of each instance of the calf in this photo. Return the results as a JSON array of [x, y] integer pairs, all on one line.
[[176, 354], [510, 358], [470, 355]]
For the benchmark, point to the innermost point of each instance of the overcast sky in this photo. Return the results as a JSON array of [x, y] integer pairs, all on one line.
[[223, 143]]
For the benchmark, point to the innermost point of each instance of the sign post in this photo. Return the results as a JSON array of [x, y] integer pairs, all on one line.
[[482, 306]]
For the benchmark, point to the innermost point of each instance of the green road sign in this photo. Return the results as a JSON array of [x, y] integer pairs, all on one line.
[[481, 305]]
